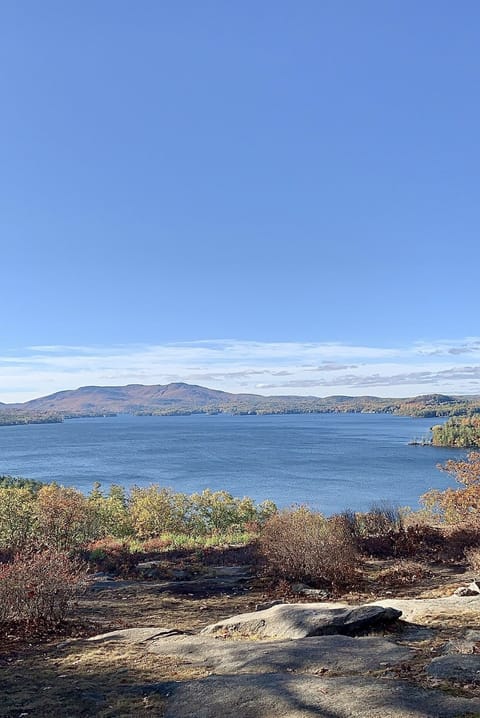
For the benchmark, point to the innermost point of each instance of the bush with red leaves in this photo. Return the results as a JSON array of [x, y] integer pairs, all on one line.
[[38, 587]]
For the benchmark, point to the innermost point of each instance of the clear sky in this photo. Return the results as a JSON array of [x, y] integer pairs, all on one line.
[[275, 196]]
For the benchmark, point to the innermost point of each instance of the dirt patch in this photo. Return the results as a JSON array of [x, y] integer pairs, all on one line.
[[84, 680]]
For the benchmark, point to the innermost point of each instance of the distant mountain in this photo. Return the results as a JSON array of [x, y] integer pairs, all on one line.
[[132, 398], [182, 398]]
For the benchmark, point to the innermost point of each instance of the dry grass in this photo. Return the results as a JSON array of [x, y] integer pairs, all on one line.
[[82, 679], [473, 557], [402, 573]]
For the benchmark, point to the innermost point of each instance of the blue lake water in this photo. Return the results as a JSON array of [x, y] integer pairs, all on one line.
[[330, 461]]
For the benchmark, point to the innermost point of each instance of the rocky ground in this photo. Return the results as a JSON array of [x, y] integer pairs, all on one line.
[[191, 644]]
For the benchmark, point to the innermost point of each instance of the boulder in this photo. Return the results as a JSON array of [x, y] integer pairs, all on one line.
[[267, 604], [473, 589], [300, 620], [236, 572]]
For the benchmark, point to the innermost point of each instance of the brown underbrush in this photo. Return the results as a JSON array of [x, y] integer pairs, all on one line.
[[38, 587], [303, 545]]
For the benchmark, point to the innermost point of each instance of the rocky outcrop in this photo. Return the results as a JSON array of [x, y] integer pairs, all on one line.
[[460, 668], [320, 654], [310, 659], [300, 620], [431, 611], [301, 696]]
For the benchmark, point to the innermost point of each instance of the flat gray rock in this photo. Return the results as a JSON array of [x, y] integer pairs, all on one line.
[[432, 611], [460, 667], [134, 635], [309, 655], [108, 584], [468, 642], [300, 620], [413, 633], [238, 572], [300, 696]]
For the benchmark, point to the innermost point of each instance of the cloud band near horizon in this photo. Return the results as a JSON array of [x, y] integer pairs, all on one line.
[[318, 368]]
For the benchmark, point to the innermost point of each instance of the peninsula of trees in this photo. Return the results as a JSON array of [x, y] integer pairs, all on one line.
[[183, 399], [458, 432]]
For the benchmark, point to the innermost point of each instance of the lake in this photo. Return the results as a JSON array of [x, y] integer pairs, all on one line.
[[330, 461]]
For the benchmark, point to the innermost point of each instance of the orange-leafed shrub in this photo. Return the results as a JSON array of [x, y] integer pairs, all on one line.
[[458, 505]]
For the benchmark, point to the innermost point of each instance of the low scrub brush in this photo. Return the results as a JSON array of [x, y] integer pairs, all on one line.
[[38, 587], [303, 545]]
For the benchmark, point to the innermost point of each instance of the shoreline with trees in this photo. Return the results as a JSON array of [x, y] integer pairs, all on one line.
[[181, 399]]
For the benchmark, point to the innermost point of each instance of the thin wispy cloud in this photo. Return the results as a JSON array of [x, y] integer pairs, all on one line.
[[248, 366], [332, 366], [469, 345]]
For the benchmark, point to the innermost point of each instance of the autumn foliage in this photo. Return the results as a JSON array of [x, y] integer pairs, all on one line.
[[462, 504], [460, 432], [65, 519]]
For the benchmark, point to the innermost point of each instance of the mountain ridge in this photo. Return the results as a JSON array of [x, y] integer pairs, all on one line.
[[184, 398]]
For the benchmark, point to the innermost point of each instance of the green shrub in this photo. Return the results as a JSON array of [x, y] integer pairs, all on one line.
[[65, 519], [110, 512], [154, 510], [17, 518], [213, 512], [17, 482]]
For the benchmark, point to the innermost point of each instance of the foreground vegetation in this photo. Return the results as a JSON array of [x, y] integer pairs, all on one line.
[[51, 537]]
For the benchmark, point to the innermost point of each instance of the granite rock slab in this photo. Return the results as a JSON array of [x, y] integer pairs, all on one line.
[[320, 654], [300, 620], [274, 695], [460, 668]]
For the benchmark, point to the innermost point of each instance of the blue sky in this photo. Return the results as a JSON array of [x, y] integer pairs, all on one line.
[[205, 190]]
